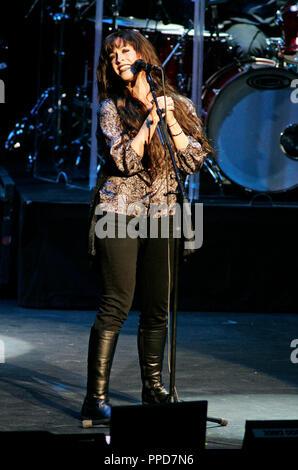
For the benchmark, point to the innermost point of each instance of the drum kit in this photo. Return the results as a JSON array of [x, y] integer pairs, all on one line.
[[249, 109]]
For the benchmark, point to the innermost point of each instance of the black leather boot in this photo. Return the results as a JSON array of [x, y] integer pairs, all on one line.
[[151, 344], [102, 345]]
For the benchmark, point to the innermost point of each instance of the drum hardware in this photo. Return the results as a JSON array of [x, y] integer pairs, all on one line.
[[59, 19], [79, 5], [268, 81], [3, 54], [56, 105], [115, 10], [175, 50], [214, 17], [273, 47], [214, 171], [128, 22], [216, 2], [261, 198], [22, 136], [289, 141], [256, 63], [179, 51], [40, 125], [52, 104], [249, 116], [287, 18], [53, 137], [82, 98], [178, 46], [161, 13], [31, 9]]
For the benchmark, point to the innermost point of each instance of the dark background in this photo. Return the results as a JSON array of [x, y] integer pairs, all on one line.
[[30, 36], [249, 254]]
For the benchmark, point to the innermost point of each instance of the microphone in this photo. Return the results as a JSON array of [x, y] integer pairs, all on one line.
[[142, 65]]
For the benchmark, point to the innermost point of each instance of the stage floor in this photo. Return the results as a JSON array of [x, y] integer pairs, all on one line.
[[240, 363]]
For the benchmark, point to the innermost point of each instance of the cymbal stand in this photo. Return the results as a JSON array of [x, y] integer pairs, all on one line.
[[55, 123], [214, 20], [59, 20], [80, 6], [115, 10], [31, 9], [176, 47], [34, 113], [161, 12], [178, 51], [80, 141]]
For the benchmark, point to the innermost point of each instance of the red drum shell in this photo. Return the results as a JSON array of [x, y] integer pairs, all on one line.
[[289, 46]]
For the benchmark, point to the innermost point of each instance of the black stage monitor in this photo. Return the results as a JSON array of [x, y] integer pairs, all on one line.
[[165, 427]]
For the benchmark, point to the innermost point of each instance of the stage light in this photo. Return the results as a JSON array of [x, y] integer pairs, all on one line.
[[13, 347]]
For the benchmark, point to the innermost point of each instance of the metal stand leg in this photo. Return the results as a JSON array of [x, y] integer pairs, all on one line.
[[221, 421]]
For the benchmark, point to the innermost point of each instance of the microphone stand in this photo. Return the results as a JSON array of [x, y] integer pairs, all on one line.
[[164, 136], [187, 230]]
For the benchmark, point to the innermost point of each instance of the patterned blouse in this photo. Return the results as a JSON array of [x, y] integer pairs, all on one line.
[[124, 184]]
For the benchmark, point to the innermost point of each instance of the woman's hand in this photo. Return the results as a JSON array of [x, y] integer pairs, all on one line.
[[145, 134], [166, 104]]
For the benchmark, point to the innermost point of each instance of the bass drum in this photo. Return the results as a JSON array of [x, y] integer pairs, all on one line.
[[246, 110]]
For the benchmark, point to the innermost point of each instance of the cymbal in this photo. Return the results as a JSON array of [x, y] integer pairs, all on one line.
[[150, 25], [128, 21], [216, 2], [141, 23]]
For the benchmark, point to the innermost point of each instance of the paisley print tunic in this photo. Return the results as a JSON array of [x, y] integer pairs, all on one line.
[[124, 184]]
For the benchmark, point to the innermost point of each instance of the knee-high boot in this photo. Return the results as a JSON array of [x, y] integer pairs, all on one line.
[[151, 344], [102, 345]]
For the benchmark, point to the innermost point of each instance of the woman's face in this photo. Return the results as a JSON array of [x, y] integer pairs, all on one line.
[[122, 58]]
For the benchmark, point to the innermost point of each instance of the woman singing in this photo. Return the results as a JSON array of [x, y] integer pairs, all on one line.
[[137, 176]]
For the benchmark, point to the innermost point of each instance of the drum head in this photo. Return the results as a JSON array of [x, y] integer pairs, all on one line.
[[245, 125]]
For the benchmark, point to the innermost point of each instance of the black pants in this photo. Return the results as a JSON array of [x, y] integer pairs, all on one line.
[[124, 262]]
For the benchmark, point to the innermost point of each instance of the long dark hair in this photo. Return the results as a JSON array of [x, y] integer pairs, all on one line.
[[131, 111]]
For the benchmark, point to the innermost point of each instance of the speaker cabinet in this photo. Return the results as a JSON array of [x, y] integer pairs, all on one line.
[[179, 428]]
